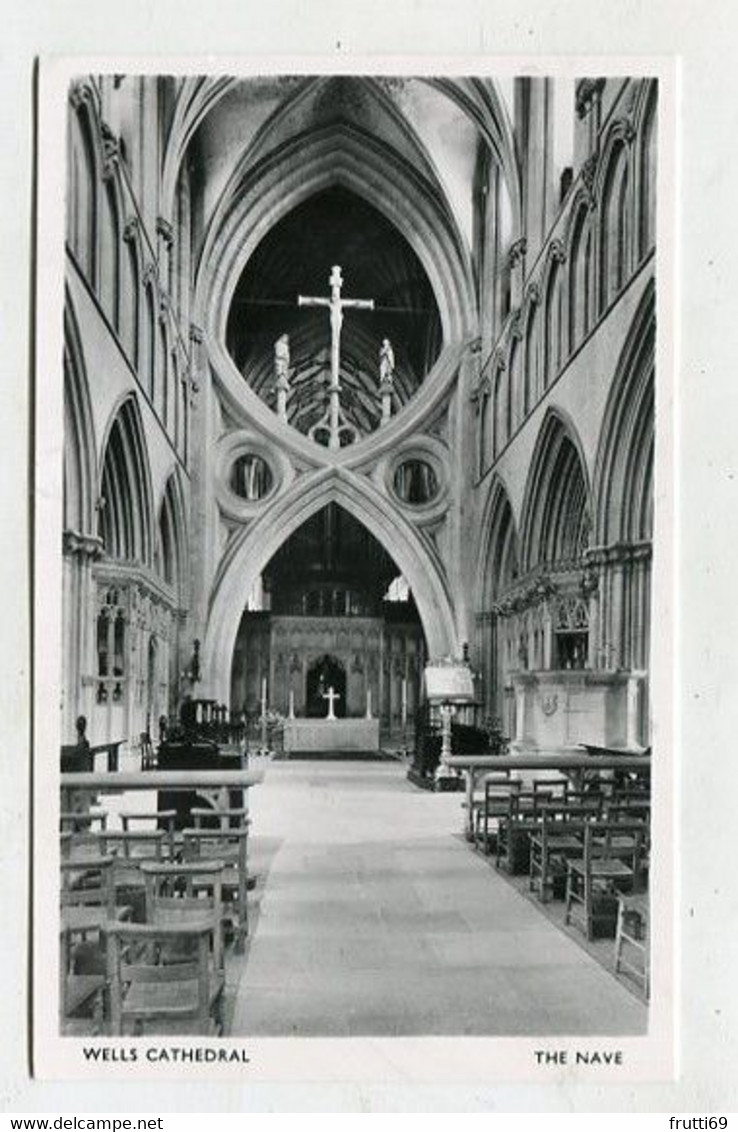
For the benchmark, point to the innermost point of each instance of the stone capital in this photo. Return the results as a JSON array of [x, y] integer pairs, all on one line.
[[111, 151], [131, 229], [164, 229], [533, 294], [517, 251], [627, 129], [499, 361], [619, 553], [80, 92], [587, 91], [556, 251], [82, 546]]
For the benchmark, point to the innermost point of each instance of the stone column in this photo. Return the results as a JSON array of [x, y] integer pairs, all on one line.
[[516, 264], [79, 624], [164, 244], [534, 129]]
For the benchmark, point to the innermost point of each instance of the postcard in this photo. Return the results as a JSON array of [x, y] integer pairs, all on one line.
[[354, 554]]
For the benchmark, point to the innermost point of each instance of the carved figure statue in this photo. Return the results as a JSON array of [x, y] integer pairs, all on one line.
[[282, 361], [386, 364]]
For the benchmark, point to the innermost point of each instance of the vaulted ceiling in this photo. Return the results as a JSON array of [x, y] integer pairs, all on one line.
[[379, 174]]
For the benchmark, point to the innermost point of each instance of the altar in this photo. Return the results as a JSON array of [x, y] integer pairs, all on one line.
[[329, 735]]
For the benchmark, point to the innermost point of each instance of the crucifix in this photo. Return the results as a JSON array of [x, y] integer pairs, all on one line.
[[330, 696], [332, 421]]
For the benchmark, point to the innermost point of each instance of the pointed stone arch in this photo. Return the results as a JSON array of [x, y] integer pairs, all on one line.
[[344, 156], [125, 508], [623, 476], [481, 100], [579, 241], [253, 549], [80, 458], [557, 508], [172, 541], [499, 549]]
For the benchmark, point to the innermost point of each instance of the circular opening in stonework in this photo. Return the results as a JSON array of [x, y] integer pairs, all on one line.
[[251, 477], [416, 482]]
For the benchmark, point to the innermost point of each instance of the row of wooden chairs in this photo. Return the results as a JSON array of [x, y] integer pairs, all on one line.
[[589, 848], [141, 908]]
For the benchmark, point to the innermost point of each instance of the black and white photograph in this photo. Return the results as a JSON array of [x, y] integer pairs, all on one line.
[[359, 725]]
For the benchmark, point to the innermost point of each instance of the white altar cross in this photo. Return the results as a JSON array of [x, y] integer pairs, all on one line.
[[331, 695], [335, 305]]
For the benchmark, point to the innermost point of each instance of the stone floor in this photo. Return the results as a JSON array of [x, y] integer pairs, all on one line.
[[372, 916]]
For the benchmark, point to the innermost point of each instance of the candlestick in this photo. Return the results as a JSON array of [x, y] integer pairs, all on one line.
[[404, 701], [368, 703]]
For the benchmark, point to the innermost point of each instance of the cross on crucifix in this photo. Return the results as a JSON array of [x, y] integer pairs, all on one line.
[[330, 696], [335, 305]]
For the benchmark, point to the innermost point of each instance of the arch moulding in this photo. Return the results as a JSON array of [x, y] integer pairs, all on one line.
[[249, 556], [332, 157]]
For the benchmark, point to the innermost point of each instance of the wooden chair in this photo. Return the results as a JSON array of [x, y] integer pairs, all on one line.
[[153, 820], [491, 807], [82, 821], [87, 895], [130, 850], [186, 892], [148, 755], [230, 847], [81, 993], [559, 839], [149, 995], [606, 869], [230, 818], [628, 807], [515, 828], [632, 937]]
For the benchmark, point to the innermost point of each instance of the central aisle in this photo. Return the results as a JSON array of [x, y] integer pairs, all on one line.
[[372, 916]]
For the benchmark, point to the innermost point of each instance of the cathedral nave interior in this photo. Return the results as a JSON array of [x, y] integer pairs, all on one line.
[[359, 386]]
